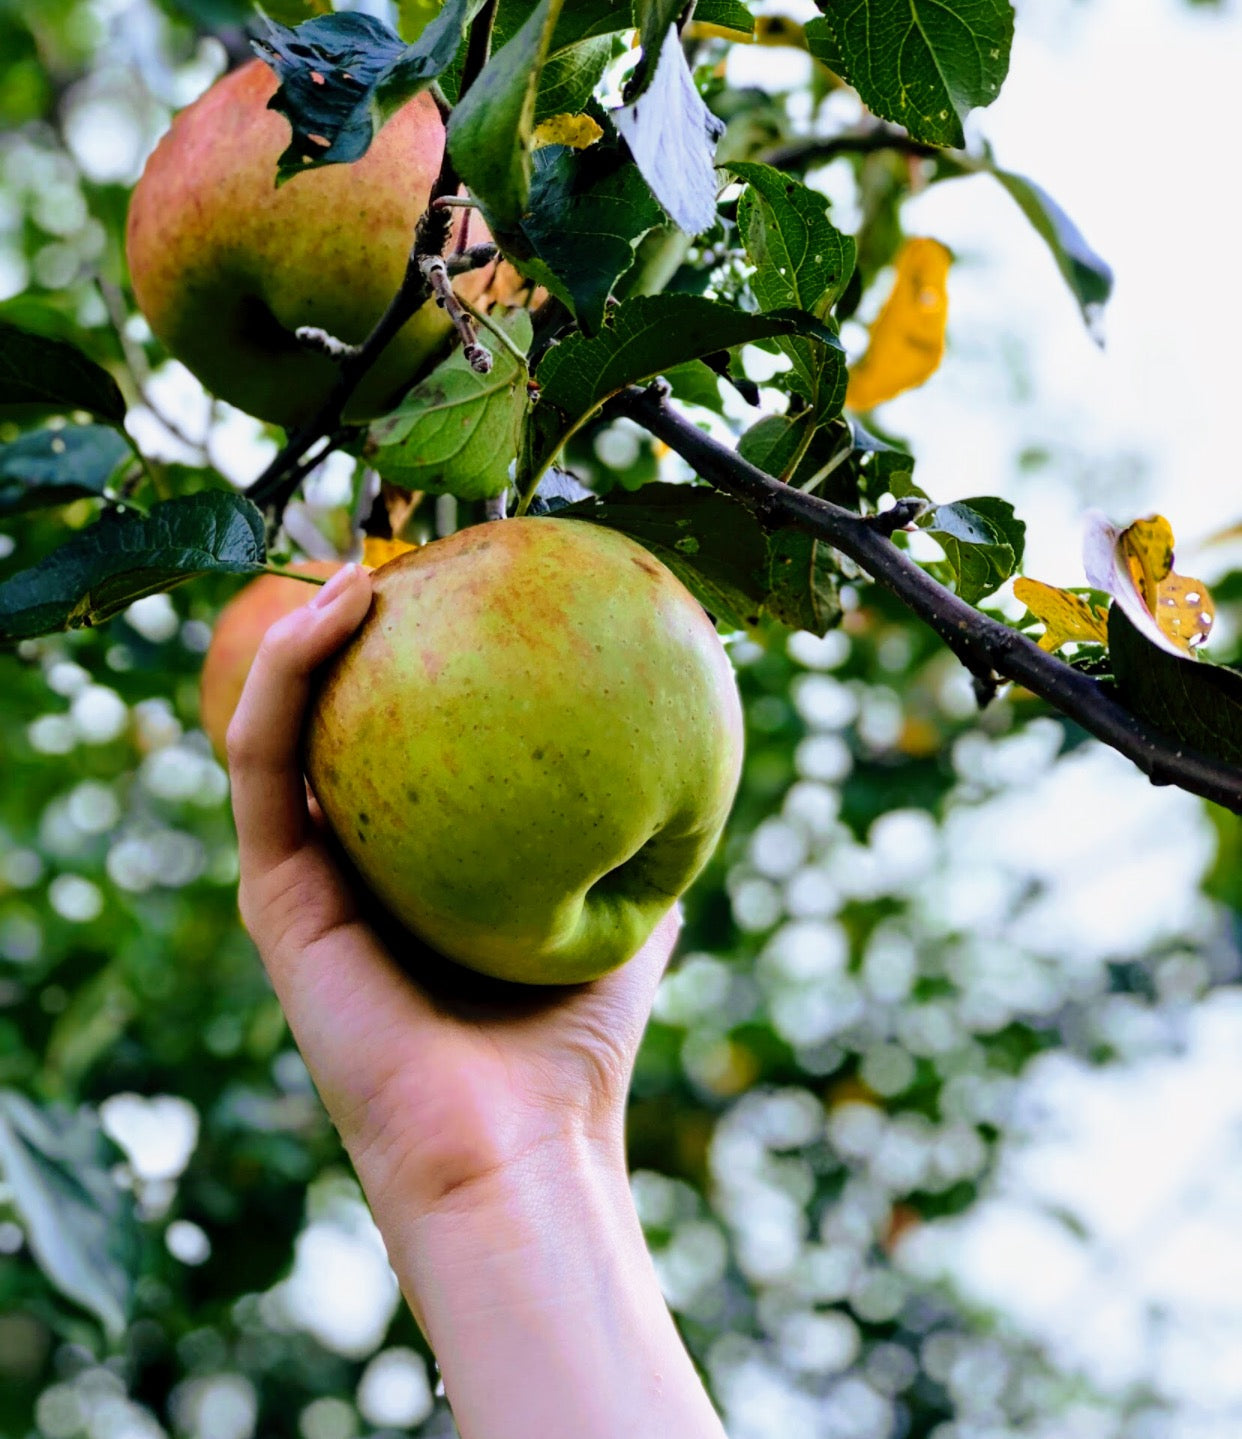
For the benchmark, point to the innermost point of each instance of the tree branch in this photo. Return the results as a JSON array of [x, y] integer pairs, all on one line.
[[277, 484], [987, 648], [819, 150]]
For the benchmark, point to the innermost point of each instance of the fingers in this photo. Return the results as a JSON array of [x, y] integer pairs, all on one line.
[[269, 793]]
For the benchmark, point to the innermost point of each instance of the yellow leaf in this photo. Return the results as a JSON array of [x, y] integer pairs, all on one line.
[[1135, 566], [576, 131], [907, 337], [1066, 617], [377, 552]]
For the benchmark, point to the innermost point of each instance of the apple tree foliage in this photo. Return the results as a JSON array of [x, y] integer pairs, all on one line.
[[832, 1064]]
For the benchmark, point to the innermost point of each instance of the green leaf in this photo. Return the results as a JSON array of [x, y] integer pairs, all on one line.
[[672, 136], [52, 375], [800, 257], [52, 467], [1089, 277], [342, 76], [77, 1222], [711, 543], [457, 432], [1194, 702], [924, 64], [982, 541], [125, 556], [489, 135], [413, 17], [570, 76], [653, 18], [643, 338], [803, 582], [728, 14], [588, 210]]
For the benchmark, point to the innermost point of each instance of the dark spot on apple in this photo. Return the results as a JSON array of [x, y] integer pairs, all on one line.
[[646, 566], [364, 818], [536, 754], [362, 837], [412, 795]]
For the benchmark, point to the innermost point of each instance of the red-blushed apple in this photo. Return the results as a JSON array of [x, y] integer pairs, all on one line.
[[530, 747], [238, 634], [226, 266]]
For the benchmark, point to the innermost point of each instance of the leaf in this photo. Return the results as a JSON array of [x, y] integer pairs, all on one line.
[[803, 576], [489, 135], [78, 1223], [711, 543], [924, 64], [1135, 566], [575, 131], [413, 17], [377, 551], [1068, 618], [570, 75], [457, 432], [1089, 277], [654, 18], [801, 259], [587, 213], [672, 136], [56, 376], [125, 555], [729, 15], [644, 337], [982, 541], [291, 12], [342, 76], [1194, 702], [52, 467], [907, 336]]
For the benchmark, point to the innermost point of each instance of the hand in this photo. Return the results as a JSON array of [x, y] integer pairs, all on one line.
[[431, 1089], [485, 1121]]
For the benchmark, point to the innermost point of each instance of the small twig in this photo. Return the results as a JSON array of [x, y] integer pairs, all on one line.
[[435, 272], [455, 202], [990, 650], [818, 150], [474, 257], [493, 328], [310, 337], [888, 522]]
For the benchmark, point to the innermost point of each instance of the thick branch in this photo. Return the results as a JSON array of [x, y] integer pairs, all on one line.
[[985, 646], [278, 483]]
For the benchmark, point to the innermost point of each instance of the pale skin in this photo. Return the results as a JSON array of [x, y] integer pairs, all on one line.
[[486, 1127]]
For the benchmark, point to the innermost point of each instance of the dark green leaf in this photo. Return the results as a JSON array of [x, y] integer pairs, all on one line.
[[801, 259], [711, 543], [490, 132], [125, 556], [52, 467], [588, 210], [982, 541], [457, 432], [672, 136], [77, 1221], [1089, 277], [803, 577], [342, 76], [728, 14], [53, 375], [653, 18], [1194, 702], [570, 76], [925, 66], [695, 383], [645, 337]]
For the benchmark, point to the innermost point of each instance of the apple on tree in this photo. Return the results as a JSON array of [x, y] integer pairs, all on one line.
[[227, 267]]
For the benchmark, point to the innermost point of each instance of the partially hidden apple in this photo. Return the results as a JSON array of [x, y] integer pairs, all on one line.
[[530, 747], [226, 267], [238, 634]]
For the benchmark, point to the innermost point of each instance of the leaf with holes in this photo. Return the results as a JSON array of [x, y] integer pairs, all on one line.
[[982, 540], [803, 582], [125, 556], [923, 65]]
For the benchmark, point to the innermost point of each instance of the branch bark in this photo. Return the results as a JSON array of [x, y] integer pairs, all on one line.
[[987, 648]]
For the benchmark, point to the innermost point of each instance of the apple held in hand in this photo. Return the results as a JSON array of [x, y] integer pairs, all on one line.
[[238, 634], [530, 748], [226, 267]]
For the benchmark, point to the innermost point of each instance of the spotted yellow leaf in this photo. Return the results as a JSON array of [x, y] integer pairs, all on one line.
[[1135, 566], [907, 336], [576, 131], [377, 552], [1067, 617]]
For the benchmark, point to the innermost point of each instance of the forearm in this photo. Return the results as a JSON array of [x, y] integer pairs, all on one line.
[[537, 1293]]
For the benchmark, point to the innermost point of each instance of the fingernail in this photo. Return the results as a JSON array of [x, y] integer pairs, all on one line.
[[335, 587]]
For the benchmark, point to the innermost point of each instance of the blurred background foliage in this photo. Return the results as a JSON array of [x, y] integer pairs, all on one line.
[[912, 956]]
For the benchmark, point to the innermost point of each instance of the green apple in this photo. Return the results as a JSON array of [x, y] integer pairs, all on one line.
[[530, 747], [226, 267]]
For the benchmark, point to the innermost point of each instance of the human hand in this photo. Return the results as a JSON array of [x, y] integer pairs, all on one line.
[[434, 1085]]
